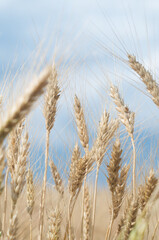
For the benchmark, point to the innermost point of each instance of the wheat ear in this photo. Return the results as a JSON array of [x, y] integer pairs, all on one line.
[[129, 221], [127, 118], [54, 227], [151, 85], [57, 179], [50, 108], [76, 176], [23, 105], [146, 190], [19, 172], [81, 124], [84, 138], [77, 171], [116, 182]]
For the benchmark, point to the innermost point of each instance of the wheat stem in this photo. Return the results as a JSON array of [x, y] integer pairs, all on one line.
[[155, 230], [30, 227], [94, 200], [134, 167], [108, 234]]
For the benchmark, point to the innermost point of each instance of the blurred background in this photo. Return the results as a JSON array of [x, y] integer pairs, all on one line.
[[89, 40]]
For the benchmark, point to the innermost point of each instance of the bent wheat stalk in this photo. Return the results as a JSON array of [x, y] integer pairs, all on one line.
[[23, 104]]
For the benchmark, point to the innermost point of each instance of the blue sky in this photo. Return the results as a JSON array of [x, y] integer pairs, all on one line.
[[82, 30]]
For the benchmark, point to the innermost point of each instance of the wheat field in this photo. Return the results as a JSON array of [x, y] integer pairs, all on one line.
[[103, 188], [72, 207]]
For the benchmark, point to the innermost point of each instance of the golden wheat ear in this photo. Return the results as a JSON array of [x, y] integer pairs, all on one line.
[[81, 124], [151, 85], [57, 179], [146, 190], [116, 182], [54, 225], [130, 221]]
